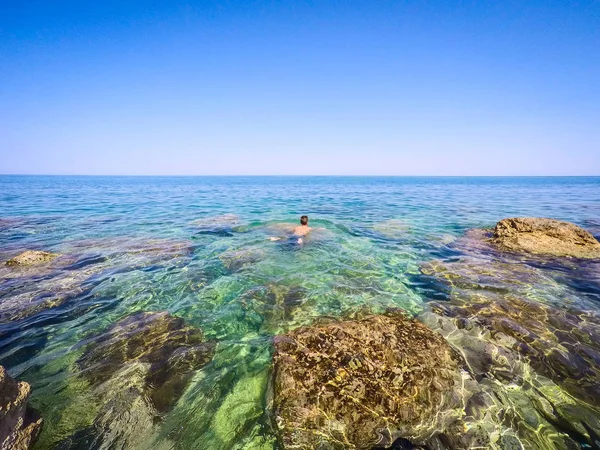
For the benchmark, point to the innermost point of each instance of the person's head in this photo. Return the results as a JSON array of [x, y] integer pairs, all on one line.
[[304, 220]]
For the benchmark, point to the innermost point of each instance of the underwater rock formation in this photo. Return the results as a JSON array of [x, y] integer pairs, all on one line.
[[31, 257], [172, 350], [19, 424], [358, 384], [136, 250], [512, 402], [138, 369], [237, 259], [392, 228], [274, 302], [534, 349], [35, 288], [562, 343], [545, 236], [222, 225], [42, 293]]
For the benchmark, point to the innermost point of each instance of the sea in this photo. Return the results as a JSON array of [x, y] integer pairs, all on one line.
[[217, 253]]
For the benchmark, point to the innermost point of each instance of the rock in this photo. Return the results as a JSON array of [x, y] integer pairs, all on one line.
[[360, 384], [222, 225], [545, 236], [274, 302], [31, 257], [172, 350], [43, 294], [559, 344], [127, 418], [238, 259], [517, 326], [509, 399], [137, 370], [392, 228], [137, 251], [19, 424], [84, 264], [560, 341]]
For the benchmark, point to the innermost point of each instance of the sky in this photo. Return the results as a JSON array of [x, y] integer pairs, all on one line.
[[300, 87]]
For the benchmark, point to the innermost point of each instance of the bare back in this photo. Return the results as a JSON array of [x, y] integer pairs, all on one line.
[[302, 230]]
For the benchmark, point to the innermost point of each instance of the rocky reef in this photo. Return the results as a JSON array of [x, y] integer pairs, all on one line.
[[363, 383], [237, 259], [221, 225], [31, 257], [529, 340], [137, 370], [33, 287], [545, 236], [19, 424]]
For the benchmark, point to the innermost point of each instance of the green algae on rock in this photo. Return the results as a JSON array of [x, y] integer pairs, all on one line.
[[545, 236], [361, 383], [20, 425], [31, 257]]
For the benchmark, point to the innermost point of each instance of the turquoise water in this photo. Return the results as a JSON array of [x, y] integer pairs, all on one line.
[[199, 248]]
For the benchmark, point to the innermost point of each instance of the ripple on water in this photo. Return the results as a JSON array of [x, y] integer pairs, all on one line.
[[200, 249]]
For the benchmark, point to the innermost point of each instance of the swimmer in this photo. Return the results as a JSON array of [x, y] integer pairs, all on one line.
[[300, 231], [303, 229]]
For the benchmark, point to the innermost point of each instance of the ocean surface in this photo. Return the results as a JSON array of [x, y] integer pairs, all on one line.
[[200, 249]]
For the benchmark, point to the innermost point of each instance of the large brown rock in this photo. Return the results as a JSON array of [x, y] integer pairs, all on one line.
[[362, 383], [31, 257], [19, 424], [545, 236]]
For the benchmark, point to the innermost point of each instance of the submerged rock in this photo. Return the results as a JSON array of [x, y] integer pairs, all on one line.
[[561, 344], [511, 399], [238, 259], [41, 294], [529, 340], [127, 418], [274, 302], [172, 350], [358, 384], [561, 341], [138, 369], [135, 251], [84, 264], [222, 225], [392, 228], [545, 236], [31, 257], [19, 424]]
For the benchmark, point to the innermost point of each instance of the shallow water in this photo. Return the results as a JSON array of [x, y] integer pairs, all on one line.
[[199, 248]]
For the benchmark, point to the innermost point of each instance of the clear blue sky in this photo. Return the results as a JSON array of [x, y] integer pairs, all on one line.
[[297, 87]]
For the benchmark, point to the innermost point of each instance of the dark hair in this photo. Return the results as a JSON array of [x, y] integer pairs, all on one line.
[[304, 220]]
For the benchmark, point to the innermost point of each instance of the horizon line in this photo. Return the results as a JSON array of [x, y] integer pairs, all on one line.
[[289, 175]]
